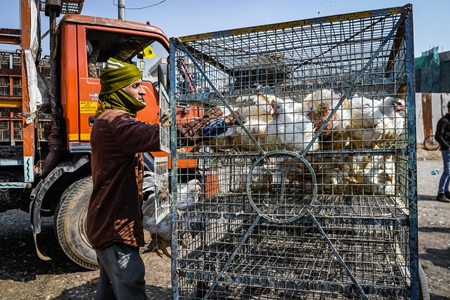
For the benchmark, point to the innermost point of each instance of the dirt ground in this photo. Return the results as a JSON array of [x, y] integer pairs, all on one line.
[[434, 226], [24, 276]]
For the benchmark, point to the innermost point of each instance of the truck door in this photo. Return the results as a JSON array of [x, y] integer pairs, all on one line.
[[82, 62]]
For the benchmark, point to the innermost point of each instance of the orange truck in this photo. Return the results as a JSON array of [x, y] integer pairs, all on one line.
[[47, 107]]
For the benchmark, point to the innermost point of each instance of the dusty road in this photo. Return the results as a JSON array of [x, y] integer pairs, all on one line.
[[24, 276], [434, 229]]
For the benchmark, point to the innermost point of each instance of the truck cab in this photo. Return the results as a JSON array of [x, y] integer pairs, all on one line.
[[86, 44], [47, 110]]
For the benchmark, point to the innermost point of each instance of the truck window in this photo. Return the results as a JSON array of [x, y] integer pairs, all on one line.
[[143, 51]]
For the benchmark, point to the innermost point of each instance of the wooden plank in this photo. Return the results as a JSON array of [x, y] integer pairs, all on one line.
[[419, 118]]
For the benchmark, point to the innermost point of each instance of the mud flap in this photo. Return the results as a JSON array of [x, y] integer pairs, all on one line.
[[40, 254]]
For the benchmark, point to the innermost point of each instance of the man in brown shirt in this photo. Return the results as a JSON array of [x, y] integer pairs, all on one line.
[[114, 218]]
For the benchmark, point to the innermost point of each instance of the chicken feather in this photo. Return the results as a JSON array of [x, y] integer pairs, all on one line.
[[318, 106], [293, 130], [376, 122], [161, 233]]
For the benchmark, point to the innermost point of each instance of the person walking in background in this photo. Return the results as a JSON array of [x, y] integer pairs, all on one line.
[[442, 136], [114, 217]]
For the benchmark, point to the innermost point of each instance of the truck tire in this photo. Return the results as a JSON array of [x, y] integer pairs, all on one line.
[[70, 224]]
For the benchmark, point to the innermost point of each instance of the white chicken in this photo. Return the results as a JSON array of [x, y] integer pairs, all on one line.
[[255, 116], [379, 175], [258, 130], [347, 176], [375, 122], [318, 105], [289, 129], [254, 107], [254, 113], [161, 233], [366, 113]]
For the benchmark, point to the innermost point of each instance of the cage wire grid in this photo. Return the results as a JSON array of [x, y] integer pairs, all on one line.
[[307, 194]]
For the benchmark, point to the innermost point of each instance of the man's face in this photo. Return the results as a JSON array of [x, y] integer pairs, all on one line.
[[136, 90]]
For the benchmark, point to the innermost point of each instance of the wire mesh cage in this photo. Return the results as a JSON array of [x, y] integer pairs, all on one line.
[[305, 160]]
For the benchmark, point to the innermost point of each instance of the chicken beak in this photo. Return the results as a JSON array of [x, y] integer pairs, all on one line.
[[273, 112]]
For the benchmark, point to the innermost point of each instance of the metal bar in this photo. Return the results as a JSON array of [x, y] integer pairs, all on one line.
[[174, 171], [11, 128], [300, 23], [412, 156], [227, 264], [11, 162], [9, 31], [14, 185], [27, 129], [357, 195], [8, 39], [341, 261]]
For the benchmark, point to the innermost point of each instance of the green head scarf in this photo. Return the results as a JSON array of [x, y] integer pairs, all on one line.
[[113, 79]]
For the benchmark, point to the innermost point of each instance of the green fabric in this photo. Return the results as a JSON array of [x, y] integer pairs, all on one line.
[[120, 100], [428, 80], [113, 79]]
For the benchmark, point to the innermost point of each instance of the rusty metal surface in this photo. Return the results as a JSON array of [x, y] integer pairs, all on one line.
[[107, 22], [10, 36], [427, 115], [10, 40]]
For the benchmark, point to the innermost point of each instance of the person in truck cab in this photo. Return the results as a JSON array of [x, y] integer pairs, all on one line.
[[114, 217]]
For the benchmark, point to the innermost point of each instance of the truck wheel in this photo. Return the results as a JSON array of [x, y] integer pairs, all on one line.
[[70, 224]]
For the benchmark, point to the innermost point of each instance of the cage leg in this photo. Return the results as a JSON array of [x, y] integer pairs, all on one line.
[[341, 261]]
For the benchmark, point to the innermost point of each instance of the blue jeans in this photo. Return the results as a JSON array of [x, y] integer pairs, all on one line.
[[445, 177], [121, 273]]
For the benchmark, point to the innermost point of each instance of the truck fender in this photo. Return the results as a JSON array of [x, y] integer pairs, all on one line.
[[38, 192]]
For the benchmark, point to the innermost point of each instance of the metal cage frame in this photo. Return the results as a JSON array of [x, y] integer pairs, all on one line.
[[322, 236]]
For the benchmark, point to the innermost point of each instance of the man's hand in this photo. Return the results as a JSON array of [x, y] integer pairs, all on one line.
[[165, 118], [231, 120]]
